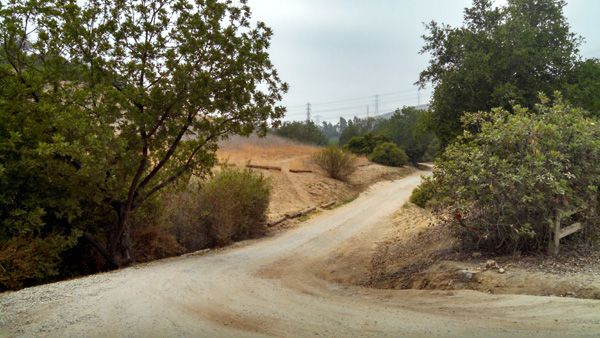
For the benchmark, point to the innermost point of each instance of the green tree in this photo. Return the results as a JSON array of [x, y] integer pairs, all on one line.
[[582, 87], [499, 56], [106, 103], [307, 132], [364, 144], [408, 128], [356, 127]]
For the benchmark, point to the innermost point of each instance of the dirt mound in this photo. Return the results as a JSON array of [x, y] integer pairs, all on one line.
[[418, 254]]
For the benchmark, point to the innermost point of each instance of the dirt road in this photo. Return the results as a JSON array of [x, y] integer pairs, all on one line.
[[270, 287]]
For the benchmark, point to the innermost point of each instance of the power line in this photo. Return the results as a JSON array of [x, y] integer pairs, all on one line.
[[356, 98], [402, 99]]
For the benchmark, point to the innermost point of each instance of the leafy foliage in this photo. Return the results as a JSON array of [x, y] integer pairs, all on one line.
[[583, 86], [424, 193], [409, 129], [365, 144], [103, 104], [502, 186], [306, 132], [338, 163], [500, 55], [389, 154], [356, 127]]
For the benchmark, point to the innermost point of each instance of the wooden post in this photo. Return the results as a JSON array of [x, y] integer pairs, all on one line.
[[554, 236]]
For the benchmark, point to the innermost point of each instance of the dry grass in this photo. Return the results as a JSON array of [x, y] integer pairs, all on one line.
[[297, 191], [268, 150]]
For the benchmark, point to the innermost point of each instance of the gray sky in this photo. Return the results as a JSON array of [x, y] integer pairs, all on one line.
[[349, 50]]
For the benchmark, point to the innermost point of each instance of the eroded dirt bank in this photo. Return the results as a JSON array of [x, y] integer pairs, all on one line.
[[274, 287]]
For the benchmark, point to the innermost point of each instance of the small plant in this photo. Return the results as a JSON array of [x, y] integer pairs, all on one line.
[[389, 154], [423, 193], [338, 163]]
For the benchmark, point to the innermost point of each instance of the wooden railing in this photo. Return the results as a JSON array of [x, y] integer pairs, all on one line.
[[557, 232]]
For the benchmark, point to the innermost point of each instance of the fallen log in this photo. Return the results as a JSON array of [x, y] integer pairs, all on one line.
[[327, 205], [276, 221], [300, 171], [296, 214], [266, 167]]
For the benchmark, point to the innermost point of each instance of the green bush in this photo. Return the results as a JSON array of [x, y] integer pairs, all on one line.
[[365, 144], [502, 186], [423, 193], [234, 205], [389, 154], [338, 163]]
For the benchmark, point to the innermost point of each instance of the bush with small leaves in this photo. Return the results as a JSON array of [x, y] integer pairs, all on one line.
[[505, 180], [424, 193], [389, 154]]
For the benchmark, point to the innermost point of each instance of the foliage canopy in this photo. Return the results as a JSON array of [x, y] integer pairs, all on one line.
[[105, 103], [500, 56], [502, 186]]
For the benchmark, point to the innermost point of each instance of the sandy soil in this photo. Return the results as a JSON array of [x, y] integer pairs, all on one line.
[[298, 191], [419, 253], [273, 287]]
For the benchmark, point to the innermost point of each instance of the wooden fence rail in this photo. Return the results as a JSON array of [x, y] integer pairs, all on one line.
[[558, 233]]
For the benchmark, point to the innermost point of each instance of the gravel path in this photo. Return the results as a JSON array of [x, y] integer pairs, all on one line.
[[270, 287]]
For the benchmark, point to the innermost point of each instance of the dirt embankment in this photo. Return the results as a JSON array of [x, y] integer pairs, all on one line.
[[293, 191], [416, 253]]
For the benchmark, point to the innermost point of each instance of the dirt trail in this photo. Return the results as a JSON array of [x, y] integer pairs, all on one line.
[[270, 287]]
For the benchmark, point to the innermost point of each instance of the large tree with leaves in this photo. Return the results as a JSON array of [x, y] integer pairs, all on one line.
[[105, 103], [582, 87], [499, 56]]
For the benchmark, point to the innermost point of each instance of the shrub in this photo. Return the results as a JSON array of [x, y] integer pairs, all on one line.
[[234, 205], [151, 235], [502, 186], [365, 144], [336, 162], [423, 193], [27, 260], [154, 242], [389, 154]]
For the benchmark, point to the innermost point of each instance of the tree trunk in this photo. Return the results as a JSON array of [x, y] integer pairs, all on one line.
[[119, 242], [102, 250]]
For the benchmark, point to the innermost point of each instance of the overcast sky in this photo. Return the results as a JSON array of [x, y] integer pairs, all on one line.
[[349, 50]]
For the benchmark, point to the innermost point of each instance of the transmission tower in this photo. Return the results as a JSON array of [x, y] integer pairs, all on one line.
[[308, 112], [376, 105]]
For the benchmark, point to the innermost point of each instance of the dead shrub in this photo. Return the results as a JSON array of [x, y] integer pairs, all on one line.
[[183, 211], [151, 233], [26, 260], [338, 163], [234, 205], [154, 242]]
